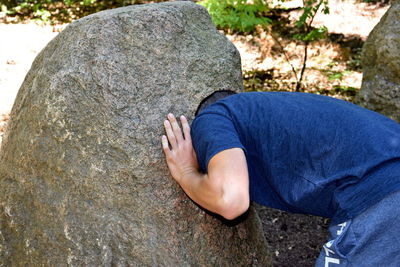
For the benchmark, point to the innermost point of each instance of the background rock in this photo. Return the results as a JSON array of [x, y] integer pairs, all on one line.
[[83, 181], [380, 89]]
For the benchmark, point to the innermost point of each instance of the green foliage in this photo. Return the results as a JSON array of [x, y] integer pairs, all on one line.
[[345, 90], [35, 7], [42, 14], [334, 75], [337, 75], [312, 35], [307, 33], [310, 9], [63, 10], [237, 15]]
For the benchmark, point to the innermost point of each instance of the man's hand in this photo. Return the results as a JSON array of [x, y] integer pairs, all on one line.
[[178, 148], [224, 189]]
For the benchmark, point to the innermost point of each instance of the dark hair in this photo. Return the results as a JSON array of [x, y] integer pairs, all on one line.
[[214, 97]]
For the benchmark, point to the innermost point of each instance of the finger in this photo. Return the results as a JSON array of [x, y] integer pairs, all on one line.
[[170, 134], [186, 128], [165, 146], [175, 128]]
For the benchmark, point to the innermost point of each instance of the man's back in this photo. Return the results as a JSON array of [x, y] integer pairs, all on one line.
[[305, 153]]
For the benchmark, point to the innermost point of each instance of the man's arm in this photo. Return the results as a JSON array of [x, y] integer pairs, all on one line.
[[224, 190]]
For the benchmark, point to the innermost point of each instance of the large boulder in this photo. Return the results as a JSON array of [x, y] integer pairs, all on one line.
[[83, 181], [380, 89]]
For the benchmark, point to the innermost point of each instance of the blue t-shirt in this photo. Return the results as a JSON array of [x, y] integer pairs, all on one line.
[[305, 153]]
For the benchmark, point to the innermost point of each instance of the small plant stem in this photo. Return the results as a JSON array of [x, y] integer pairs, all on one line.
[[299, 81], [306, 42], [286, 56], [315, 13]]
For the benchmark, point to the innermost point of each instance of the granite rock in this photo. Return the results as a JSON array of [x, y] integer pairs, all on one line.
[[380, 89], [83, 181]]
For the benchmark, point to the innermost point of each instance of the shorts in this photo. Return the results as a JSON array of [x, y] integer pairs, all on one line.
[[370, 239]]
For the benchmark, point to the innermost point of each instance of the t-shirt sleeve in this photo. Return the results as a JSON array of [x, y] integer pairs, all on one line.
[[211, 134]]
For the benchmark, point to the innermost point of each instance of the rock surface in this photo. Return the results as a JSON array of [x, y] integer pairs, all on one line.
[[83, 181], [380, 89]]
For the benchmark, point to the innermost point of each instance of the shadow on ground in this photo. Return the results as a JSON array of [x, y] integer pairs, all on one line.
[[294, 239]]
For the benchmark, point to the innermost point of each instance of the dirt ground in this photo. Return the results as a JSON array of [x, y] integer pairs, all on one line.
[[295, 240]]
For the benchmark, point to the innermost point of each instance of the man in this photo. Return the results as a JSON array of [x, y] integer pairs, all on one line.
[[300, 153]]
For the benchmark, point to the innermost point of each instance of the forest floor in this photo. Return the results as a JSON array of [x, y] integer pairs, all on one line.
[[333, 68]]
